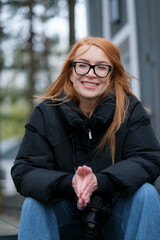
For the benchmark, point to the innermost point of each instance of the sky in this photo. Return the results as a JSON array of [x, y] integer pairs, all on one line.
[[61, 26]]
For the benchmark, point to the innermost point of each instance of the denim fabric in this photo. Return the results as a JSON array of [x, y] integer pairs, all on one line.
[[133, 218]]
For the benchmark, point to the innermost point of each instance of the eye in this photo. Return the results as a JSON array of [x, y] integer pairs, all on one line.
[[82, 65], [101, 67]]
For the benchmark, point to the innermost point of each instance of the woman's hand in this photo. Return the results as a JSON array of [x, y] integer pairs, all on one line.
[[88, 186], [84, 183], [77, 181]]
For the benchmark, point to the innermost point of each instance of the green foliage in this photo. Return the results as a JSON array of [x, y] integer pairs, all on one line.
[[13, 119], [29, 58], [15, 111]]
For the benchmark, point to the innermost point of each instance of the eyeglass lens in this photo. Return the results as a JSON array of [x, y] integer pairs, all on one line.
[[100, 70]]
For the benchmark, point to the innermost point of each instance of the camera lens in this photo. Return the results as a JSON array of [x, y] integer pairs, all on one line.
[[91, 225], [90, 230]]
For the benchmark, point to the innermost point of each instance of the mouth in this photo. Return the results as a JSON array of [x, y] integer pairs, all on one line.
[[90, 84]]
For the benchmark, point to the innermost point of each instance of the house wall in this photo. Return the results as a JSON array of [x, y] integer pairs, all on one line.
[[148, 19], [133, 26], [94, 17], [117, 15]]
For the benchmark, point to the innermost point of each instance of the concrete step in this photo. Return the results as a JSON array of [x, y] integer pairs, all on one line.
[[8, 227]]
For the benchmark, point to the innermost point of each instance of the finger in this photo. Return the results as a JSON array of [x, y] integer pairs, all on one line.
[[81, 203], [87, 170], [76, 184], [80, 171], [89, 182], [89, 188], [86, 195], [84, 201]]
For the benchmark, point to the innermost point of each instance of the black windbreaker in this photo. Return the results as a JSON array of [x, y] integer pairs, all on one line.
[[59, 138]]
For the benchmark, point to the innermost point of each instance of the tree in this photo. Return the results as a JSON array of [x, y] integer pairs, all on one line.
[[28, 45], [71, 10], [32, 50], [31, 53]]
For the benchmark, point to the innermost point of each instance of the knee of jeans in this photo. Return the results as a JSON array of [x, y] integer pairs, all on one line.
[[31, 203], [147, 192]]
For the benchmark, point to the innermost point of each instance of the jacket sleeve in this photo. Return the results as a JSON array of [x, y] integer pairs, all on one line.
[[34, 171], [141, 154]]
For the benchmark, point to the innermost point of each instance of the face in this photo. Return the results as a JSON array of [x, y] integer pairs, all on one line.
[[90, 87]]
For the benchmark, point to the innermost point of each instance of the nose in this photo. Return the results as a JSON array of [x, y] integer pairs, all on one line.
[[91, 73]]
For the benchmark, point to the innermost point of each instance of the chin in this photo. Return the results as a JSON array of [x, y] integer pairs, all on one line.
[[90, 97]]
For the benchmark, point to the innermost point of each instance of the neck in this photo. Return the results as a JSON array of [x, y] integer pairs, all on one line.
[[87, 107]]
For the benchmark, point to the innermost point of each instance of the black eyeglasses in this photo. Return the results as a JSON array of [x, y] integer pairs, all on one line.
[[100, 70]]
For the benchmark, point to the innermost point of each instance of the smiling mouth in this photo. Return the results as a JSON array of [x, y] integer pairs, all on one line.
[[90, 84]]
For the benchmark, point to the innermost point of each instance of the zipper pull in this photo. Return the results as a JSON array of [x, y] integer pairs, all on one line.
[[89, 133]]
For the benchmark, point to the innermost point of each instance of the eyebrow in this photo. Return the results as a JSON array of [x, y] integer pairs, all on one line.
[[85, 60]]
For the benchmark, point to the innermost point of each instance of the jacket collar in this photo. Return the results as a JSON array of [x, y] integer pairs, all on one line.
[[103, 114]]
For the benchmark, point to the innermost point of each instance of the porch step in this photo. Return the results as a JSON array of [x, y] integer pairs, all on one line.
[[8, 228]]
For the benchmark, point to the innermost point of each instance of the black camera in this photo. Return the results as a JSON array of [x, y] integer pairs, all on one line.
[[93, 216]]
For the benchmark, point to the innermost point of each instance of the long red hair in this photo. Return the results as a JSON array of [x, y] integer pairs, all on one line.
[[119, 85]]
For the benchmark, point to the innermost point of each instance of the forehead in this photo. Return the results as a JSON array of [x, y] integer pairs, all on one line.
[[91, 52]]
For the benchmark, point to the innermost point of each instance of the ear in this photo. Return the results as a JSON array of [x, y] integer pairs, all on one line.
[[71, 77]]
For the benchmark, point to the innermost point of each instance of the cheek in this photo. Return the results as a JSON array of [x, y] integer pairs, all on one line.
[[107, 82], [74, 78]]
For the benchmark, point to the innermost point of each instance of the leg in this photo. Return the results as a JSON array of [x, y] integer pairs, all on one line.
[[68, 227], [37, 222], [136, 217], [144, 219]]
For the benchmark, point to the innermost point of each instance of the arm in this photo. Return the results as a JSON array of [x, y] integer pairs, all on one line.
[[141, 154], [34, 171]]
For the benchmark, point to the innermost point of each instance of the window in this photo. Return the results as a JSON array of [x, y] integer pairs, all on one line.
[[115, 11]]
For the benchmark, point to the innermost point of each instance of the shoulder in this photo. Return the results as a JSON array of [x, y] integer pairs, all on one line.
[[43, 116], [133, 101], [136, 111], [46, 108], [44, 105]]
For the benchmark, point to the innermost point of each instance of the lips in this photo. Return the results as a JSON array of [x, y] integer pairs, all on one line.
[[90, 84]]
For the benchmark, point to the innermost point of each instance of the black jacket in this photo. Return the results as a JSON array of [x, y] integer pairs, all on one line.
[[60, 138]]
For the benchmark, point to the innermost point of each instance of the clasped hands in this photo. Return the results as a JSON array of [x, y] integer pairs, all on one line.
[[84, 184]]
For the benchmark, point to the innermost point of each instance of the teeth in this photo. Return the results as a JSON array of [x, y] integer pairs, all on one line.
[[90, 84]]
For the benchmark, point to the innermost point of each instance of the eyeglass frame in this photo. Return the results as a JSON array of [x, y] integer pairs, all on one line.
[[91, 67]]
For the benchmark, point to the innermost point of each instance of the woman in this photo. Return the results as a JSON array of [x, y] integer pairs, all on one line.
[[90, 138]]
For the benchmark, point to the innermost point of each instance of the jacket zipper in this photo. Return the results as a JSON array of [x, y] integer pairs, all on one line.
[[89, 133]]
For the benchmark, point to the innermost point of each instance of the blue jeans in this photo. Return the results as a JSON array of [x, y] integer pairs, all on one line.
[[133, 218]]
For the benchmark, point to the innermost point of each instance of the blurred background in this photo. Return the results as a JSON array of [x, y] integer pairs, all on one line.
[[35, 37]]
